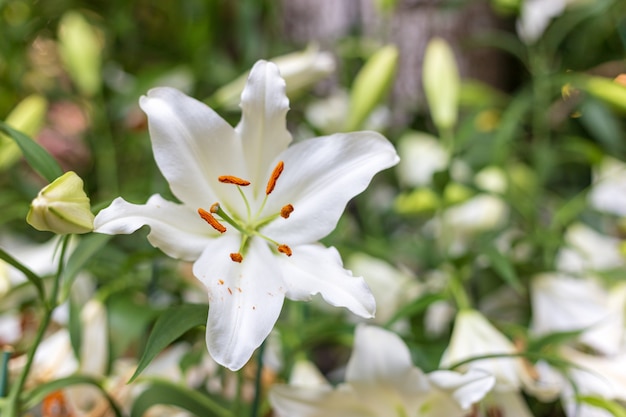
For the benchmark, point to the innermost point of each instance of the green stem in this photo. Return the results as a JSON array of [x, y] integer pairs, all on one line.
[[104, 151], [455, 285], [13, 404], [257, 383], [4, 375]]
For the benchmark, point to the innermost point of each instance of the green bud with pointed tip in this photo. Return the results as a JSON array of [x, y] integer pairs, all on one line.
[[81, 51], [27, 117], [441, 83], [371, 84], [62, 207]]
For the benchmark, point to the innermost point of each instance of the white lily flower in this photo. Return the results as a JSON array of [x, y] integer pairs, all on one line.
[[588, 250], [592, 376], [561, 303], [381, 381], [608, 192], [260, 243], [392, 288], [473, 336]]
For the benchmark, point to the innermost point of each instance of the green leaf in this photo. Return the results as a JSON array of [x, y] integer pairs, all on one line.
[[503, 267], [170, 325], [416, 307], [88, 247], [556, 338], [38, 394], [612, 407], [36, 156], [30, 275], [169, 393]]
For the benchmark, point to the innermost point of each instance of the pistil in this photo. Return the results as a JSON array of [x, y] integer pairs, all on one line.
[[251, 226]]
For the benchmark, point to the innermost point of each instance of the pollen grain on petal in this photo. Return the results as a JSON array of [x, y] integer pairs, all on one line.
[[236, 257], [231, 179], [285, 249], [230, 291], [220, 281], [274, 177], [286, 211], [208, 217]]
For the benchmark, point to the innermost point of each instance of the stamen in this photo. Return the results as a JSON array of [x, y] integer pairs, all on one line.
[[208, 217], [274, 177], [230, 179], [236, 257], [215, 207], [286, 211], [285, 249]]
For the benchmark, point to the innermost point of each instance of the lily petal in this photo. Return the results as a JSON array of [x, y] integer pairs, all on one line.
[[314, 269], [245, 298], [193, 146], [263, 126], [466, 389], [321, 175], [380, 357], [292, 401], [174, 228]]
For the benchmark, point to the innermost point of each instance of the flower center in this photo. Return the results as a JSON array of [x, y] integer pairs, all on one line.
[[249, 227]]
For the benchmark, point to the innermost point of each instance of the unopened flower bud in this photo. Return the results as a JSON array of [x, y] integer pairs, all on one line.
[[80, 47], [441, 83], [371, 84], [62, 207]]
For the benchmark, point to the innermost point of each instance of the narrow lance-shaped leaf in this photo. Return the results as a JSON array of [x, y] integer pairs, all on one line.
[[30, 275], [37, 395], [165, 392], [36, 156], [169, 326]]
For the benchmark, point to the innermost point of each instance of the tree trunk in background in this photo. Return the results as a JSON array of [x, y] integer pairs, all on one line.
[[409, 27]]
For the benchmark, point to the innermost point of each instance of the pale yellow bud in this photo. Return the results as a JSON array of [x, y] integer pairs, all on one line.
[[371, 84], [62, 207], [441, 83], [27, 117], [81, 49]]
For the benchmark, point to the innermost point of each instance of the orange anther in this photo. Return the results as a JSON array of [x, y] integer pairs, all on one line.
[[274, 177], [215, 207], [236, 257], [208, 217], [286, 211], [230, 179], [284, 249]]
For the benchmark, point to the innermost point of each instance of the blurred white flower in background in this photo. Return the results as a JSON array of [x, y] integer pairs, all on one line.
[[587, 250], [380, 381], [392, 287], [608, 190], [421, 156], [535, 16]]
